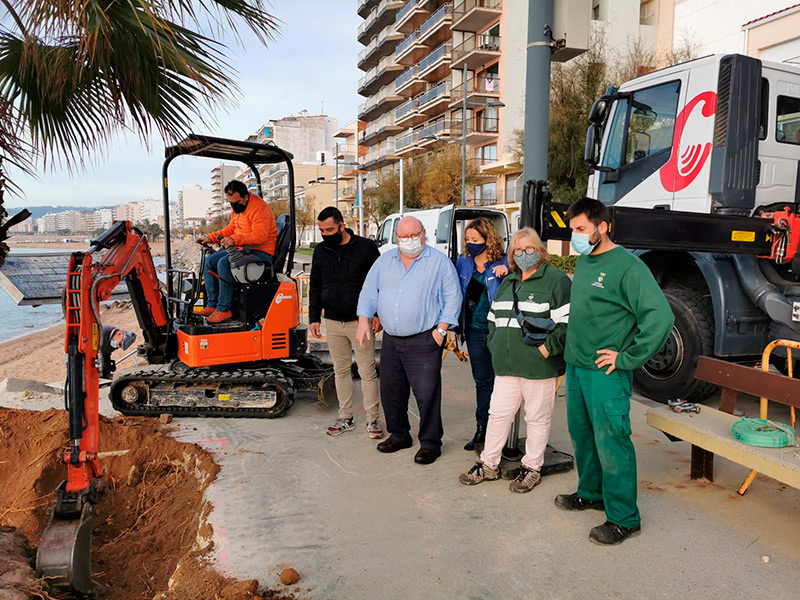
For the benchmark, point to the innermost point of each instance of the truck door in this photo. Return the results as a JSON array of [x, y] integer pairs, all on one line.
[[638, 144]]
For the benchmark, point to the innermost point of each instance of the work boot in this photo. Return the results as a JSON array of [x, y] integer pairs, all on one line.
[[478, 439], [374, 430], [219, 316], [575, 502], [340, 426], [207, 311], [479, 472], [609, 534], [526, 480]]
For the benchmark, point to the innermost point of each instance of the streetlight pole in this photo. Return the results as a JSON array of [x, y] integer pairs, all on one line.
[[401, 185], [464, 137], [336, 171]]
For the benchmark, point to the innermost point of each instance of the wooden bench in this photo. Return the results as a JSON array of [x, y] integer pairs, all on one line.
[[709, 431]]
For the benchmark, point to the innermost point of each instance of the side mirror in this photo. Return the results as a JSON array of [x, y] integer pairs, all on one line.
[[372, 236], [591, 153], [599, 110]]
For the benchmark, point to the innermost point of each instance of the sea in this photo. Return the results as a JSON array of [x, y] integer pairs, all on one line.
[[17, 321]]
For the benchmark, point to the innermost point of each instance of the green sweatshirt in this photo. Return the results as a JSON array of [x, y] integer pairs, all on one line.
[[544, 294], [616, 305]]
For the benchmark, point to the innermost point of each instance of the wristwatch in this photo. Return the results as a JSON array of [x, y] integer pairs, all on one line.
[[442, 332]]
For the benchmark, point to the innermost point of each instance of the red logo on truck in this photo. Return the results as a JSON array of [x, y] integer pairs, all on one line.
[[683, 168]]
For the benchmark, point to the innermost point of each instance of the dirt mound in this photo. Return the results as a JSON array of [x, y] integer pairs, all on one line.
[[151, 533]]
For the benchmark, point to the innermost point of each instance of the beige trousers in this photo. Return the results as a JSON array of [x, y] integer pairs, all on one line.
[[539, 397], [341, 338]]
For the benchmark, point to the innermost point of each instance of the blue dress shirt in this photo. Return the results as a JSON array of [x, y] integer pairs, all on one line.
[[412, 301]]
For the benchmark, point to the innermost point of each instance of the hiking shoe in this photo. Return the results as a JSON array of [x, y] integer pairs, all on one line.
[[374, 430], [340, 426], [526, 480], [479, 472], [207, 311], [609, 534], [219, 316], [510, 474], [575, 502]]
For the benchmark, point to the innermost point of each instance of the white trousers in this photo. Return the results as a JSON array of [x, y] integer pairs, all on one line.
[[539, 397]]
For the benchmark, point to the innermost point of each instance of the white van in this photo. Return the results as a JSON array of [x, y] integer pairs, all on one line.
[[444, 227]]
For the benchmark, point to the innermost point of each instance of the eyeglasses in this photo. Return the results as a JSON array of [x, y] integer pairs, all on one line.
[[413, 236], [528, 250]]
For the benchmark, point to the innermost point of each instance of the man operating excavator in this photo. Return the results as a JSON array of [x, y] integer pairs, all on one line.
[[252, 224]]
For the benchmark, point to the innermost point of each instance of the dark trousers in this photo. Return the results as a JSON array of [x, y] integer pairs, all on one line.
[[480, 359], [412, 363]]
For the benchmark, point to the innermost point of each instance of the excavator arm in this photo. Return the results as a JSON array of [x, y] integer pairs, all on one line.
[[121, 253]]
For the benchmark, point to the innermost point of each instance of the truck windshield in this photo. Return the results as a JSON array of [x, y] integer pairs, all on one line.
[[643, 124]]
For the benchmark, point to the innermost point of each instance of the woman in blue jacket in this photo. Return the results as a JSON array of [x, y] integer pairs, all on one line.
[[480, 270]]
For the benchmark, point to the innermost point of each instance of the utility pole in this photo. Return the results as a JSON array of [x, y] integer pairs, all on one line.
[[336, 172], [537, 129], [464, 133], [401, 185], [537, 89], [360, 199]]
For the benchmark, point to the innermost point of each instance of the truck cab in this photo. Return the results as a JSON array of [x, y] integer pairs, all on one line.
[[700, 165]]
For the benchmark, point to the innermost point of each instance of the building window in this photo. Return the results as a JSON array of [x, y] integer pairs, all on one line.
[[486, 154]]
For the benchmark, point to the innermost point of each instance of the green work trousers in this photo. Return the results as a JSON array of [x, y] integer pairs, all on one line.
[[598, 415]]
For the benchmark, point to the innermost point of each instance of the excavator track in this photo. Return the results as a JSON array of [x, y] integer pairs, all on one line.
[[195, 392]]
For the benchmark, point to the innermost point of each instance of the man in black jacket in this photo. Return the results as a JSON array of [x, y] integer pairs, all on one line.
[[338, 269]]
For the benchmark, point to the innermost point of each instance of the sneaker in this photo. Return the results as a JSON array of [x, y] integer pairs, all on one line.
[[609, 534], [526, 480], [479, 472], [374, 430], [340, 426], [219, 316], [206, 312], [575, 502]]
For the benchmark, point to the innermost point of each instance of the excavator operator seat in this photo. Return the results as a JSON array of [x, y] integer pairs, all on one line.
[[282, 244], [247, 268]]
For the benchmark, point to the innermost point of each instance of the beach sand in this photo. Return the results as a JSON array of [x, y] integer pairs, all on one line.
[[40, 356]]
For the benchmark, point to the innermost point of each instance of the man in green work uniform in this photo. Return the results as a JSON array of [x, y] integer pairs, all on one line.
[[619, 319]]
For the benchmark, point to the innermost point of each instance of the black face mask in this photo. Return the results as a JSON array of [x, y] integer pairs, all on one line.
[[335, 239], [238, 207]]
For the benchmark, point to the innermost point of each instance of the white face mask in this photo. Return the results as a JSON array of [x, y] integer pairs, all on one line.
[[410, 246]]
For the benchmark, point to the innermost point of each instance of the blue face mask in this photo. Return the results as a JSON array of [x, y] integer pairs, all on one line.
[[475, 249], [580, 243]]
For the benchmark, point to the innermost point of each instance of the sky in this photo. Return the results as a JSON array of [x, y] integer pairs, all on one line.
[[311, 63]]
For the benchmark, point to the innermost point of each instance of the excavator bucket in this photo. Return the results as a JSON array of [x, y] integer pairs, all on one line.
[[326, 391], [64, 557]]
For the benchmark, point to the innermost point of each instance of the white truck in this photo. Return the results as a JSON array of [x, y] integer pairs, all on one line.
[[699, 164], [444, 227]]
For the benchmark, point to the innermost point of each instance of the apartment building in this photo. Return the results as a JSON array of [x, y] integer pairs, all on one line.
[[348, 154], [438, 71], [220, 176]]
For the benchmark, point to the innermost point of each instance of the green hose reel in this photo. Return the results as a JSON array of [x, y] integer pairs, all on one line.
[[763, 433]]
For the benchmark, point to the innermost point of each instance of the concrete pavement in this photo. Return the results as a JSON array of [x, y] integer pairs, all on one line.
[[358, 524]]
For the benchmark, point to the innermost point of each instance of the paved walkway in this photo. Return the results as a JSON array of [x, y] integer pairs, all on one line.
[[358, 524]]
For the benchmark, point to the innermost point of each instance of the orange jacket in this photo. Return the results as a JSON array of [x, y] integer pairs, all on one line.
[[255, 226]]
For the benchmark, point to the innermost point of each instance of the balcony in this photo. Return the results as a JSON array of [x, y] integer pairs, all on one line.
[[406, 143], [410, 16], [379, 130], [436, 28], [408, 84], [475, 15], [410, 50], [480, 129], [476, 51], [436, 65], [377, 77], [479, 90], [380, 156], [365, 6], [435, 101], [379, 17], [386, 99], [367, 58], [406, 114]]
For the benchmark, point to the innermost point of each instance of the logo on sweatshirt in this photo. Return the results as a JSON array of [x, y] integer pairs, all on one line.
[[599, 282]]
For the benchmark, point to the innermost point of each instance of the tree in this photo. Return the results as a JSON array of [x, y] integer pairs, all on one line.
[[306, 216], [75, 75], [152, 230]]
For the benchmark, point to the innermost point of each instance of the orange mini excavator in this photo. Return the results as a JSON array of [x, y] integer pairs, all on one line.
[[247, 366]]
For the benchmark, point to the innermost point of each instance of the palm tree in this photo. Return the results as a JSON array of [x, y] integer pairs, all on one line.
[[76, 73]]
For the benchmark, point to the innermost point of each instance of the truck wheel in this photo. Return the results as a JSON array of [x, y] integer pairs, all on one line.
[[669, 375]]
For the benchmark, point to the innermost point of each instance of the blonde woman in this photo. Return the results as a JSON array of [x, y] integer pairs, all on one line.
[[527, 331], [480, 270]]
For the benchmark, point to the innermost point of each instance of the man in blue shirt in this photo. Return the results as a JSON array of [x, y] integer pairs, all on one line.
[[415, 292]]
